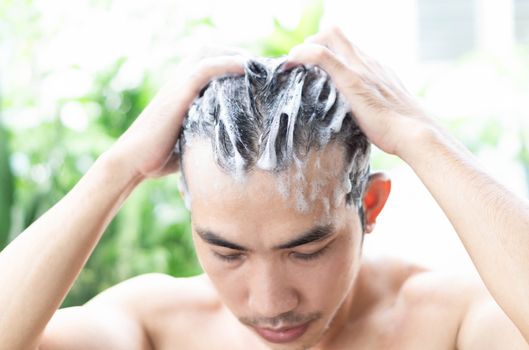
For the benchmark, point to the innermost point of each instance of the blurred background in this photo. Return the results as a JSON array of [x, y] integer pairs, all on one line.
[[75, 74]]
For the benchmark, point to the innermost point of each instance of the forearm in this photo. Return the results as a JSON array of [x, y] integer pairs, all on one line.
[[492, 222], [39, 267]]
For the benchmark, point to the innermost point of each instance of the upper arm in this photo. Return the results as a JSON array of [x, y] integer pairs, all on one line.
[[137, 314], [93, 327], [111, 320], [486, 326]]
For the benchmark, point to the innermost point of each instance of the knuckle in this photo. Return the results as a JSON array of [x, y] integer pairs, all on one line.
[[200, 69], [354, 79], [202, 66], [335, 31], [319, 53]]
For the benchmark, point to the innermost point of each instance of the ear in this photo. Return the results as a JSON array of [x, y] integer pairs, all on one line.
[[180, 184], [375, 196], [182, 189]]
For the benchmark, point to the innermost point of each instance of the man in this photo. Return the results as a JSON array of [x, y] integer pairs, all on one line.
[[278, 229]]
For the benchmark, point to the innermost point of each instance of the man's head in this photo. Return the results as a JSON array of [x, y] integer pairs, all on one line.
[[276, 174]]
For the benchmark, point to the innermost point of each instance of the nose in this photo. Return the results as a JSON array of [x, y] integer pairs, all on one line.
[[270, 293]]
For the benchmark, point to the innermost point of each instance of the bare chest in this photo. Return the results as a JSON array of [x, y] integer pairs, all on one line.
[[390, 331], [387, 330]]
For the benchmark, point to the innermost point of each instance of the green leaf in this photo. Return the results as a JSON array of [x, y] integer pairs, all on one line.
[[282, 39], [198, 22], [309, 23], [6, 188]]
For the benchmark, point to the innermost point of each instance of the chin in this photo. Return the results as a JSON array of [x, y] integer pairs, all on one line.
[[312, 337], [300, 345]]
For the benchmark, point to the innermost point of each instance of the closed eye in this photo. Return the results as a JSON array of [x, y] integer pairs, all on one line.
[[228, 257], [310, 256]]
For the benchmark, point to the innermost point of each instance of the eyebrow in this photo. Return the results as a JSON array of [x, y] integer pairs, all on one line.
[[315, 234], [214, 239]]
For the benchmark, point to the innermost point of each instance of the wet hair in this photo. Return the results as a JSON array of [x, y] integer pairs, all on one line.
[[272, 116]]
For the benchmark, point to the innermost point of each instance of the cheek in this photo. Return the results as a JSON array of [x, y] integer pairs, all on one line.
[[199, 250], [211, 265], [228, 283], [326, 285]]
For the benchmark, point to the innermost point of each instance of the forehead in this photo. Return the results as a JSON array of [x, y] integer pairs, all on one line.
[[308, 193]]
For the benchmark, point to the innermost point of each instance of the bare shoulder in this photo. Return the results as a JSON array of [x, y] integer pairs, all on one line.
[[427, 285], [160, 290], [449, 294], [134, 314], [417, 284], [168, 307], [421, 297], [462, 304], [466, 308]]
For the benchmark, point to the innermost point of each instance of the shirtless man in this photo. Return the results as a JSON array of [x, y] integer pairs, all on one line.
[[281, 272]]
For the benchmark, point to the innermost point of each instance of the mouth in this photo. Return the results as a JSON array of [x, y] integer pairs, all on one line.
[[282, 335]]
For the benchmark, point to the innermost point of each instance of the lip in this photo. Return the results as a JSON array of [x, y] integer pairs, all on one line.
[[282, 335]]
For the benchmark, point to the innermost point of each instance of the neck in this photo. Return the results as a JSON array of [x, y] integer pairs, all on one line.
[[353, 309]]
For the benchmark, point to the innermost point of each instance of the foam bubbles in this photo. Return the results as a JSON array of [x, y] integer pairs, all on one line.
[[273, 120]]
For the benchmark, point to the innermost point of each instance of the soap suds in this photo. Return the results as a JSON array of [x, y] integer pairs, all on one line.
[[273, 119]]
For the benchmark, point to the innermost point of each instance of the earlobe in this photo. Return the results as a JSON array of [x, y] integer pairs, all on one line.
[[376, 194]]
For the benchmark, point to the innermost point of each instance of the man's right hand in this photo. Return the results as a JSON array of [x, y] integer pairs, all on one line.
[[39, 267], [146, 148]]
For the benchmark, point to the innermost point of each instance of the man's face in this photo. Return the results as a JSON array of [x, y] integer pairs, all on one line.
[[282, 271]]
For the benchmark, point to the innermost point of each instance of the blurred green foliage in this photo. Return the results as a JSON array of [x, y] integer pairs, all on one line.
[[282, 39], [151, 233], [6, 188]]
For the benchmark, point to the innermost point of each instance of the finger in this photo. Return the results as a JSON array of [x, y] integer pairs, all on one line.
[[314, 54], [175, 97], [335, 39], [206, 70], [213, 67]]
